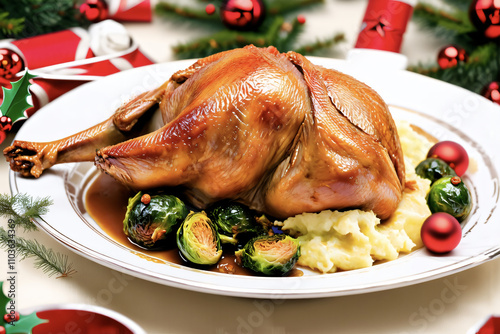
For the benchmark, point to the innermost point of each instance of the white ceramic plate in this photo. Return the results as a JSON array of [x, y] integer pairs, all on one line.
[[445, 111]]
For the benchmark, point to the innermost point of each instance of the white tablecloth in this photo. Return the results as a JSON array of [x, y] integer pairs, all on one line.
[[448, 305]]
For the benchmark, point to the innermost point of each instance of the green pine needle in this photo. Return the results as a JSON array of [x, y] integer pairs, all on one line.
[[46, 259], [22, 209], [36, 17]]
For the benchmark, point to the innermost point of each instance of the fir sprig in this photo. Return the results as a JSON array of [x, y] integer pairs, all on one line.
[[22, 209], [46, 259], [10, 26], [35, 17]]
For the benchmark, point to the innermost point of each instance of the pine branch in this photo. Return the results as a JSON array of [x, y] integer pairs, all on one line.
[[459, 4], [275, 7], [291, 31], [46, 259], [10, 26], [454, 27], [321, 44], [482, 67], [174, 11], [42, 16], [22, 209]]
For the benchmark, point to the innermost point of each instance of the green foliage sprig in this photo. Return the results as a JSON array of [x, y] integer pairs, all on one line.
[[21, 210], [25, 18]]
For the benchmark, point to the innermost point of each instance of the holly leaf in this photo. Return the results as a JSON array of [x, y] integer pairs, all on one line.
[[14, 100], [4, 300], [25, 324]]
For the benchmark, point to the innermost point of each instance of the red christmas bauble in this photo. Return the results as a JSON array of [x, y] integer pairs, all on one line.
[[441, 232], [5, 123], [242, 14], [485, 16], [3, 135], [492, 91], [10, 64], [94, 10], [451, 55], [2, 328], [452, 153], [210, 9]]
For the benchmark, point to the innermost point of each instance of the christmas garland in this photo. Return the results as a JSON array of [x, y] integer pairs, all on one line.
[[471, 56], [267, 26], [26, 18]]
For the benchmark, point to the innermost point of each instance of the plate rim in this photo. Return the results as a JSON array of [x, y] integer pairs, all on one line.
[[244, 292]]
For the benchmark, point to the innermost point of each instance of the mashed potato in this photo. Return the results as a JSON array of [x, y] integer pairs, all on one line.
[[333, 240]]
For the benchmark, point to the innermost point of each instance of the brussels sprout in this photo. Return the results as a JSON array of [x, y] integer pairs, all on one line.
[[234, 220], [198, 240], [150, 222], [434, 169], [449, 194], [270, 255]]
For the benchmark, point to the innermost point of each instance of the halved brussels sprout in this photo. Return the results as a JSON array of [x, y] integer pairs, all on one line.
[[198, 240], [272, 255], [434, 169], [234, 220], [450, 195], [151, 221]]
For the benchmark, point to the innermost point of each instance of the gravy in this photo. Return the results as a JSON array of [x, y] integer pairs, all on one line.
[[106, 202]]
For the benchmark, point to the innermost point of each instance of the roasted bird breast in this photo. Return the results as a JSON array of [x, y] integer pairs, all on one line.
[[268, 129]]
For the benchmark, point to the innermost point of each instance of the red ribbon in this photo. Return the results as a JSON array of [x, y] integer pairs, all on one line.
[[383, 25]]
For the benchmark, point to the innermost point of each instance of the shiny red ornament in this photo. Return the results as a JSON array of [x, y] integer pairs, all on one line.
[[10, 64], [452, 153], [485, 16], [301, 19], [492, 91], [210, 9], [94, 10], [3, 135], [242, 14], [451, 55], [5, 123], [441, 233]]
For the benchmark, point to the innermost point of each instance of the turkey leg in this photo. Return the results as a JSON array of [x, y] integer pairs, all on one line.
[[31, 158]]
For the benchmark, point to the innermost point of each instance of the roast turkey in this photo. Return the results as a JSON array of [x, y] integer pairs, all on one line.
[[268, 129]]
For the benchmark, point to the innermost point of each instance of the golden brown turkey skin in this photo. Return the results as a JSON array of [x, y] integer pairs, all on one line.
[[248, 125], [231, 123], [271, 130]]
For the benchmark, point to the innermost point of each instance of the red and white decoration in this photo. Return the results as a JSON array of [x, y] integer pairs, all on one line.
[[66, 59], [384, 24], [118, 10]]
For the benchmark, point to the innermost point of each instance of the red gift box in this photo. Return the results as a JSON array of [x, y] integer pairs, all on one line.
[[69, 58]]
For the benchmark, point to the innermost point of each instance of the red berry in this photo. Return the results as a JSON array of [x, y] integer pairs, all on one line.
[[453, 154], [441, 232], [9, 317], [301, 19], [5, 123]]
